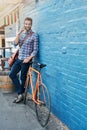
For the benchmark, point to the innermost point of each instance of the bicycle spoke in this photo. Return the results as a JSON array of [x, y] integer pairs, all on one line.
[[26, 91]]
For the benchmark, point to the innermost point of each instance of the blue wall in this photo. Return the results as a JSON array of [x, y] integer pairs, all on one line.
[[62, 29]]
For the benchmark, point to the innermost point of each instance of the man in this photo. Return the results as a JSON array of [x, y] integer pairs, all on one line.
[[27, 51]]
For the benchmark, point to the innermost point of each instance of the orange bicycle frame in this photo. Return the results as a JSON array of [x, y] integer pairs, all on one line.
[[38, 82]]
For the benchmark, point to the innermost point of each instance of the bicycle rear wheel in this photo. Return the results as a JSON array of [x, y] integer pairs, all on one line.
[[26, 90], [43, 109], [27, 98]]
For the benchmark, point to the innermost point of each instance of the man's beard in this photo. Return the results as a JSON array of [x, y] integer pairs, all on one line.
[[27, 29]]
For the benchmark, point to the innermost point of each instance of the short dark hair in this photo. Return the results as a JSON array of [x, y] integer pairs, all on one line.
[[29, 19]]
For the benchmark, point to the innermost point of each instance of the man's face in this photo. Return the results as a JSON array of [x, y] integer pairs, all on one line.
[[27, 25]]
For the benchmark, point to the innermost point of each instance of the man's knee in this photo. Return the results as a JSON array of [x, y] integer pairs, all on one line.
[[11, 75]]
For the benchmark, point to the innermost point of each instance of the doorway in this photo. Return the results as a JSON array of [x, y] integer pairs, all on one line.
[[3, 45]]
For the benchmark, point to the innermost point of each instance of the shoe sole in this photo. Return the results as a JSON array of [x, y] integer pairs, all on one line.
[[19, 100]]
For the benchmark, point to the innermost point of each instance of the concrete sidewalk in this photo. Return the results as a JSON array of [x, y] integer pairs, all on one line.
[[22, 117]]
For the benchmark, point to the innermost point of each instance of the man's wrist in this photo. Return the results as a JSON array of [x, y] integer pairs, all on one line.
[[29, 58], [19, 34]]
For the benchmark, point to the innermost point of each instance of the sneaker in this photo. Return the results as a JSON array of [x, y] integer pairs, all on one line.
[[19, 99], [15, 99]]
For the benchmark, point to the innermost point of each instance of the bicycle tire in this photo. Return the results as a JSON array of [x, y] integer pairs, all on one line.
[[26, 91], [43, 110]]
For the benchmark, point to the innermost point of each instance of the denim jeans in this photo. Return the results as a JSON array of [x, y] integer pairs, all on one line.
[[17, 67]]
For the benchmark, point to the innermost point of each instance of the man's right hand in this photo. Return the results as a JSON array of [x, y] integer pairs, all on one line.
[[18, 36], [20, 31]]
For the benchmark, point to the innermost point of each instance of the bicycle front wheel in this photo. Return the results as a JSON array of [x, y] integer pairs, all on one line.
[[43, 108]]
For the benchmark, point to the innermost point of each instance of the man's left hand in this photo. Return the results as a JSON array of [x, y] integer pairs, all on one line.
[[26, 60]]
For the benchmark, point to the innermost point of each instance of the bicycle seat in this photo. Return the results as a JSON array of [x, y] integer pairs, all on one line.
[[41, 65]]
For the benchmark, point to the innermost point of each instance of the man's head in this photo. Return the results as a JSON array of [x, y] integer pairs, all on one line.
[[28, 23]]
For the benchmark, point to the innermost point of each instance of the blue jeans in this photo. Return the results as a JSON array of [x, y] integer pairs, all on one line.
[[17, 67]]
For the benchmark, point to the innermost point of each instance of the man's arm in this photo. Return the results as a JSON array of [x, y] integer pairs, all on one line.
[[18, 36], [35, 46]]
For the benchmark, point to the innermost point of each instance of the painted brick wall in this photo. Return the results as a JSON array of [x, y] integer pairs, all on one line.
[[62, 29]]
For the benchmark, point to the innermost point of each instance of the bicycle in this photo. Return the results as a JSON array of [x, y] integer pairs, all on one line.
[[39, 95]]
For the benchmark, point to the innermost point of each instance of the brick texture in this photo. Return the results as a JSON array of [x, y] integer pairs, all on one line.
[[62, 29]]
